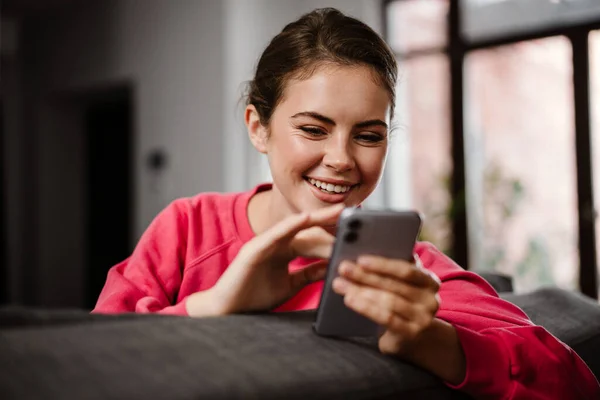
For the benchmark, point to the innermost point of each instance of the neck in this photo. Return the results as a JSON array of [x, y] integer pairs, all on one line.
[[266, 209]]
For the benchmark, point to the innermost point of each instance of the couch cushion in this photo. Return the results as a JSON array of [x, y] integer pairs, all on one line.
[[72, 355], [275, 356]]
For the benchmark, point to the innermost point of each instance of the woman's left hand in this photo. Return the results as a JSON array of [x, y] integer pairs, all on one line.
[[399, 295]]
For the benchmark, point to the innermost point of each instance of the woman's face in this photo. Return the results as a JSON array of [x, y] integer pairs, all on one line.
[[327, 139]]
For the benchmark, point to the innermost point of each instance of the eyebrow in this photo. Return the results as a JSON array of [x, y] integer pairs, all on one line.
[[329, 121]]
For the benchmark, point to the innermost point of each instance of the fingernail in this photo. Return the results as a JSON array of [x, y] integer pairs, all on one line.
[[345, 267], [339, 285], [364, 260], [418, 262]]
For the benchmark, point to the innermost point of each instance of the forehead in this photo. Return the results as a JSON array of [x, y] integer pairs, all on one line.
[[340, 92]]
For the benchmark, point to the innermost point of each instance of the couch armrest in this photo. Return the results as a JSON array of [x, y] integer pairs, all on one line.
[[72, 355], [571, 317], [501, 283]]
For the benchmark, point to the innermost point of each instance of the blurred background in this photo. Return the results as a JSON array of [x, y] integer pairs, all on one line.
[[111, 109]]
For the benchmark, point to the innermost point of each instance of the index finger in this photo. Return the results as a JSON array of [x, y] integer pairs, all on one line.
[[290, 226]]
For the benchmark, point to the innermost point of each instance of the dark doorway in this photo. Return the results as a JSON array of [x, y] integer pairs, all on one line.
[[4, 278], [109, 186]]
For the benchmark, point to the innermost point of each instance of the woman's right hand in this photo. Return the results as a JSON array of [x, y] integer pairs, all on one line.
[[258, 278]]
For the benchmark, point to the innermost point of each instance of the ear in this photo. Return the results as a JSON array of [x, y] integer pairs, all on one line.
[[256, 131]]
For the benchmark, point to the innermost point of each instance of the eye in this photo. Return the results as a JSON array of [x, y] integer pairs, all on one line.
[[313, 131], [370, 138]]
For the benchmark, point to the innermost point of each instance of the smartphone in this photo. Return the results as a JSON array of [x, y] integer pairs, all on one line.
[[390, 234]]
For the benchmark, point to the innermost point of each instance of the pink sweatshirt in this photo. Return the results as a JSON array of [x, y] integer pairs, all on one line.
[[190, 243]]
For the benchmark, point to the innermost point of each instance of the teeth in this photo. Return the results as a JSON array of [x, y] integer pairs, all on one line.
[[329, 187]]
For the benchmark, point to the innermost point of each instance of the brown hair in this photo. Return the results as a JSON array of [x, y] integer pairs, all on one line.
[[320, 37]]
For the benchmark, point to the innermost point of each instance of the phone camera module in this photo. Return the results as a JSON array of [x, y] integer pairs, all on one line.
[[350, 237], [354, 224]]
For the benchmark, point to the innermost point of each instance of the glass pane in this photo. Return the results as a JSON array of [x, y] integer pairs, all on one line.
[[484, 19], [419, 164], [594, 43], [417, 25], [521, 178]]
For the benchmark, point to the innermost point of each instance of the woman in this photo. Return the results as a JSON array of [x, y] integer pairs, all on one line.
[[319, 108]]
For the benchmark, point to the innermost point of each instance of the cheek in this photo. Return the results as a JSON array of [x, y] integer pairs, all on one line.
[[371, 161], [297, 152]]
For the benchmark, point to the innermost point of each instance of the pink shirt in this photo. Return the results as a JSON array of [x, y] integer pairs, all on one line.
[[192, 241]]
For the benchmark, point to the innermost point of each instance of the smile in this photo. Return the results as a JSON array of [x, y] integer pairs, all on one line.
[[329, 187]]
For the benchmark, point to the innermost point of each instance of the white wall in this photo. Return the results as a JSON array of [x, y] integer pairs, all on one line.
[[171, 53], [187, 61]]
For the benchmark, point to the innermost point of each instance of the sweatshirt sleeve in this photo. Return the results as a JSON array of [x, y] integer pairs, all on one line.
[[149, 280], [507, 356]]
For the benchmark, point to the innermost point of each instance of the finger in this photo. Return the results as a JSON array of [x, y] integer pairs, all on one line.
[[326, 216], [383, 316], [379, 298], [396, 304], [399, 269], [313, 242], [420, 265], [288, 226], [341, 285], [391, 342], [362, 276], [313, 273], [293, 224]]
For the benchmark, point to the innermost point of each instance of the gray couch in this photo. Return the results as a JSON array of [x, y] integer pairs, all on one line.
[[74, 355]]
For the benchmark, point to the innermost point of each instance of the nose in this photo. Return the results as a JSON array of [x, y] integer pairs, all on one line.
[[338, 156]]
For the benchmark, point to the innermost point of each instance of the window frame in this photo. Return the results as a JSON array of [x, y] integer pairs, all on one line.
[[456, 51]]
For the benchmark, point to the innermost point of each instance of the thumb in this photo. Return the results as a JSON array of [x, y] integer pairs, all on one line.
[[313, 273]]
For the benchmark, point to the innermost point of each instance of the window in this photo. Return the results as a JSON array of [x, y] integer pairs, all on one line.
[[423, 119], [486, 19], [521, 178], [416, 25], [517, 67], [419, 164]]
